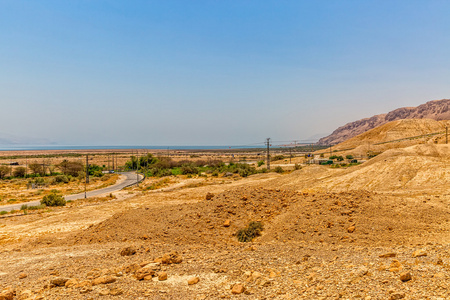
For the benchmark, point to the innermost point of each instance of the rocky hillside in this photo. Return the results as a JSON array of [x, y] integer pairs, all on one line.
[[436, 110]]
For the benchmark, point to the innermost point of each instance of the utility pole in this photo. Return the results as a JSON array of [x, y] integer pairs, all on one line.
[[290, 154], [268, 154], [87, 175], [26, 167], [446, 134], [137, 167]]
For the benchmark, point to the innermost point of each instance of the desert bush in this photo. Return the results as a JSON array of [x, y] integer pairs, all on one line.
[[36, 168], [32, 207], [260, 163], [3, 212], [189, 169], [53, 200], [279, 169], [72, 168], [98, 173], [250, 232], [349, 156], [19, 172], [200, 163], [264, 170], [61, 179], [339, 158], [277, 157], [4, 170], [215, 163], [297, 167], [40, 181], [215, 173]]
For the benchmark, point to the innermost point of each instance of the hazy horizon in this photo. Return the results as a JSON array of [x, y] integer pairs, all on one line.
[[213, 73]]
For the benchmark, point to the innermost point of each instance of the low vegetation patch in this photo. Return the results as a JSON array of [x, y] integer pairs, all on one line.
[[250, 232], [53, 200]]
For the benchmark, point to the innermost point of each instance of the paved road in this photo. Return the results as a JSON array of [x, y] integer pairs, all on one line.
[[130, 179]]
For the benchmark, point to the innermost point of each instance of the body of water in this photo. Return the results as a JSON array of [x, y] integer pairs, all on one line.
[[59, 147]]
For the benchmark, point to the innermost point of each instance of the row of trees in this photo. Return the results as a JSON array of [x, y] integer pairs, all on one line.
[[72, 168]]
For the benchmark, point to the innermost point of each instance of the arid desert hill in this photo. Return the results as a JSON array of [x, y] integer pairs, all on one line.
[[436, 110], [397, 134], [419, 168]]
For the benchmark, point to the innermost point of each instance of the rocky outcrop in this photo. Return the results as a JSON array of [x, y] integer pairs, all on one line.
[[436, 110]]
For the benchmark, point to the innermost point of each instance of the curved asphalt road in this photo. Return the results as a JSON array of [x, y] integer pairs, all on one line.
[[131, 179]]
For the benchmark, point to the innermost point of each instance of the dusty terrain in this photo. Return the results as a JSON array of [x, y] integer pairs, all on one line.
[[380, 230]]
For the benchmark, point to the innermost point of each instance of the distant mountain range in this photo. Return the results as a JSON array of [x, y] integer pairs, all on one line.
[[436, 110], [11, 140]]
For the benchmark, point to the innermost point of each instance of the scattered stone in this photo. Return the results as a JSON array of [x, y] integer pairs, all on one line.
[[439, 261], [193, 280], [389, 254], [144, 273], [71, 283], [132, 268], [116, 292], [405, 276], [128, 251], [59, 281], [84, 283], [396, 296], [256, 275], [395, 266], [22, 275], [351, 229], [238, 289], [227, 223], [27, 294], [104, 280], [7, 294], [209, 196], [362, 271], [103, 293], [419, 253], [162, 276], [170, 258], [86, 290]]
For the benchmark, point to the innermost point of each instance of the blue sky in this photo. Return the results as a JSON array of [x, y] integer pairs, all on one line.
[[213, 72]]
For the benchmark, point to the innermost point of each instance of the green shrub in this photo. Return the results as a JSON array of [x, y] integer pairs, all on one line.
[[279, 169], [19, 172], [35, 207], [53, 200], [264, 170], [349, 156], [39, 181], [260, 163], [3, 212], [189, 169], [277, 157], [297, 167], [97, 173], [24, 207], [248, 234]]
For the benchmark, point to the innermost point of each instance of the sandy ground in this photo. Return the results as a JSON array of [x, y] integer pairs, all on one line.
[[320, 240]]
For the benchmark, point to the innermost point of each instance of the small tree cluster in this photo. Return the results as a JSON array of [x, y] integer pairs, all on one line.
[[72, 168], [4, 170]]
